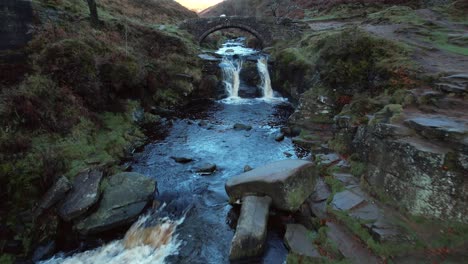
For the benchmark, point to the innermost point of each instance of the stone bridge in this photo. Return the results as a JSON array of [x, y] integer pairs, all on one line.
[[265, 29]]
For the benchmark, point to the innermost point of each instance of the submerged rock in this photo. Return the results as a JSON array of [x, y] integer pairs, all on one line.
[[85, 193], [43, 251], [124, 198], [279, 137], [247, 168], [242, 127], [182, 159], [287, 182], [251, 228], [297, 240], [206, 169]]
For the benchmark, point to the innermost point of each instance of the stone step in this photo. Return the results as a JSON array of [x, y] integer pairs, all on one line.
[[452, 88], [458, 78], [251, 230], [298, 242], [439, 127], [349, 246]]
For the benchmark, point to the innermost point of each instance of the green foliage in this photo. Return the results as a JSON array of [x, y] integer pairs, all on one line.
[[396, 15], [335, 185], [38, 103], [358, 168], [326, 244], [6, 259], [381, 249], [389, 114]]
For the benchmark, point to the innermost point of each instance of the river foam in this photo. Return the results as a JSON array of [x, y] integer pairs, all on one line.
[[147, 241]]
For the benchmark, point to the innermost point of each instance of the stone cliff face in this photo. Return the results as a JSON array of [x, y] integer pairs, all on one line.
[[15, 23]]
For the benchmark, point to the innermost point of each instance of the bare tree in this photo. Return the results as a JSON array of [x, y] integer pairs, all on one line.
[[93, 12], [281, 9]]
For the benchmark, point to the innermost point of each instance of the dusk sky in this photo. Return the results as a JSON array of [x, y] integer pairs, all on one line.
[[198, 4]]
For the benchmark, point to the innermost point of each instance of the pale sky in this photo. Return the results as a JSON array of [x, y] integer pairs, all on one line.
[[198, 4]]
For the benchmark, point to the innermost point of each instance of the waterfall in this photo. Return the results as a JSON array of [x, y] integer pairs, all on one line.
[[231, 68], [262, 66], [149, 240]]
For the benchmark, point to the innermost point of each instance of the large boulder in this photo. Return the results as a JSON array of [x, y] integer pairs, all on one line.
[[287, 182], [85, 193], [251, 228], [56, 193], [124, 198]]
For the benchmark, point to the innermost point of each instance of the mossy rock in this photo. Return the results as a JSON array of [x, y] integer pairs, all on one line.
[[389, 114]]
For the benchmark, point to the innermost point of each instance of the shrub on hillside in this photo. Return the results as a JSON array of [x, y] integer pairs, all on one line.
[[38, 103], [71, 63]]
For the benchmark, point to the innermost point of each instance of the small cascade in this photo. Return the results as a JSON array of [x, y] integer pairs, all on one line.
[[149, 240], [231, 68], [262, 66]]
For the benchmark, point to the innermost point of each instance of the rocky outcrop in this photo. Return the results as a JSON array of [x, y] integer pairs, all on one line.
[[426, 177], [85, 193], [124, 197], [287, 182], [54, 195], [251, 228]]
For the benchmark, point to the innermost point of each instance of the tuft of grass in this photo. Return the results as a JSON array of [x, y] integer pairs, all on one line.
[[381, 249]]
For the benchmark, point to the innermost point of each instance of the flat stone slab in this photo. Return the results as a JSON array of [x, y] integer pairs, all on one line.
[[385, 231], [441, 127], [288, 182], [346, 200], [327, 159], [84, 194], [124, 198], [297, 241], [346, 178], [366, 212], [251, 230], [350, 247], [321, 192]]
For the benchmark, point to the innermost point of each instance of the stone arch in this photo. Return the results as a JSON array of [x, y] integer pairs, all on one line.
[[249, 29]]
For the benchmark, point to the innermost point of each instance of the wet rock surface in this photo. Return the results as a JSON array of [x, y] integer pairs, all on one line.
[[251, 229], [84, 194], [124, 197], [55, 194], [288, 182]]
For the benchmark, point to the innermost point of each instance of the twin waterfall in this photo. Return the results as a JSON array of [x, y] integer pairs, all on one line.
[[262, 66], [231, 68]]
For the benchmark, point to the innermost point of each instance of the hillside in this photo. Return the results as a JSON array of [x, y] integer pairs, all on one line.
[[79, 96], [296, 9]]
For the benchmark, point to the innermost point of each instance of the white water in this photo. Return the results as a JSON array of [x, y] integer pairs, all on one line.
[[231, 69], [235, 47], [262, 66], [142, 244]]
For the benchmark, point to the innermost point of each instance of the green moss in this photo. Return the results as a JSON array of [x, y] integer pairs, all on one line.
[[335, 185], [441, 40], [389, 114], [381, 249], [308, 135], [358, 168], [299, 259], [322, 240], [397, 15], [7, 259]]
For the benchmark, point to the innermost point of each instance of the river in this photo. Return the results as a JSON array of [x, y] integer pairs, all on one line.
[[197, 223]]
